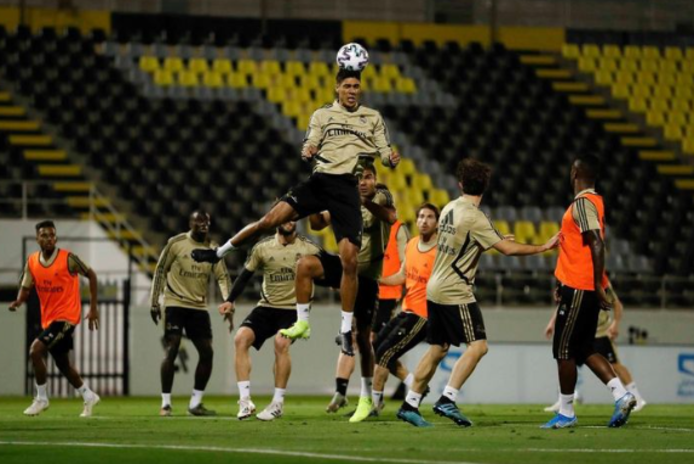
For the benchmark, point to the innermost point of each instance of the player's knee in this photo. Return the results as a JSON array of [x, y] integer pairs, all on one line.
[[282, 345], [349, 264], [482, 348], [36, 350], [243, 339], [307, 266]]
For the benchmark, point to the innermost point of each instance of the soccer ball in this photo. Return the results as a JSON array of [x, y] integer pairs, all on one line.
[[352, 57]]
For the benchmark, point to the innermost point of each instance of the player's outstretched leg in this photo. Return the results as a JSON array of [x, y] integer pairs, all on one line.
[[279, 214], [37, 353], [91, 399]]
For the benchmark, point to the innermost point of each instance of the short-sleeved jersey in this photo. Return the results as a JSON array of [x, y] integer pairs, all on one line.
[[374, 238], [347, 139], [278, 263], [183, 281], [74, 263], [464, 233], [575, 262]]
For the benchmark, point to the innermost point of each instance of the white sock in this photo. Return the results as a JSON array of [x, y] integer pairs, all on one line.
[[617, 388], [41, 392], [366, 386], [279, 395], [195, 398], [566, 405], [302, 311], [244, 389], [85, 392], [346, 325], [376, 398], [409, 380], [413, 399], [450, 393], [224, 249], [635, 391], [165, 399]]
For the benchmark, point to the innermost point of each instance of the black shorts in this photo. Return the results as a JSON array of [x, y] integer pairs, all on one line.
[[196, 323], [385, 312], [577, 321], [455, 324], [366, 303], [605, 347], [58, 337], [337, 194], [400, 335], [266, 322]]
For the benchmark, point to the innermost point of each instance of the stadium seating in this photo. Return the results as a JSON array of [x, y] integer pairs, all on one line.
[[219, 126]]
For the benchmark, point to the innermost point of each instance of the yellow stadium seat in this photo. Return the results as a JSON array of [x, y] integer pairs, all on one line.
[[390, 70], [689, 132], [149, 64], [673, 132], [260, 80], [524, 231], [645, 78], [502, 227], [222, 66], [681, 105], [665, 78], [604, 78], [650, 52], [587, 64], [650, 66], [660, 105], [416, 197], [405, 85], [677, 118], [439, 197], [629, 65], [624, 77], [382, 85], [270, 67], [276, 94], [607, 64], [396, 180], [684, 93], [302, 121], [319, 68], [325, 96], [632, 51], [673, 53], [294, 68], [213, 79], [188, 79], [547, 230], [620, 90], [407, 167], [689, 53], [641, 90], [310, 81], [612, 51], [638, 105], [688, 146], [237, 81], [286, 80], [198, 65], [687, 68], [422, 182], [163, 77], [173, 64], [300, 94], [591, 50], [662, 91], [291, 108], [570, 51], [684, 79], [655, 118], [667, 67], [246, 67]]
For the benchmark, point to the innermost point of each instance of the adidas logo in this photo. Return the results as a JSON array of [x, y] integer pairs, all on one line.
[[448, 219], [272, 258]]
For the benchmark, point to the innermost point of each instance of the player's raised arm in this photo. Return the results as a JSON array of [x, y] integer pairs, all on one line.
[[389, 157], [312, 138]]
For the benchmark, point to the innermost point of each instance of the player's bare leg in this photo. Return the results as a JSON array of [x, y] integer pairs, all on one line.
[[91, 399], [628, 381], [167, 371], [203, 371], [343, 372], [242, 364], [308, 268], [349, 285], [282, 370], [466, 364]]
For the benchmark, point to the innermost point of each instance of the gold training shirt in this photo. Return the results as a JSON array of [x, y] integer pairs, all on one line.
[[183, 281], [464, 233], [346, 139], [278, 263], [374, 238]]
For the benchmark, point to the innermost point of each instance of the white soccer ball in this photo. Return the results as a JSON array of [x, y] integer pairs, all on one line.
[[352, 57]]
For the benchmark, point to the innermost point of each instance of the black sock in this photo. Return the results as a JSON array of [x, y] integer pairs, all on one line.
[[341, 386], [408, 407], [444, 400]]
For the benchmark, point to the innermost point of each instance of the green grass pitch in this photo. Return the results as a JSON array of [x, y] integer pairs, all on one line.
[[130, 430]]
